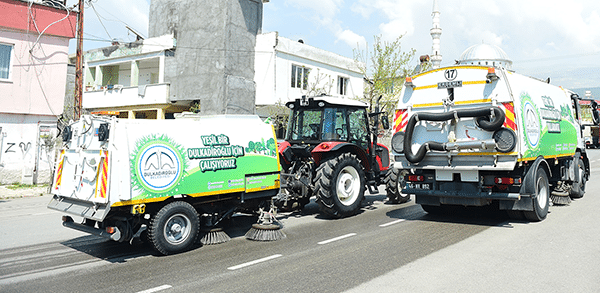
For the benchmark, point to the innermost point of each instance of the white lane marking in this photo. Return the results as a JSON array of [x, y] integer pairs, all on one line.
[[392, 223], [233, 268], [156, 289], [337, 238]]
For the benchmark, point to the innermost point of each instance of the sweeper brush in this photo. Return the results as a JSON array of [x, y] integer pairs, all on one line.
[[214, 236], [268, 228], [560, 197]]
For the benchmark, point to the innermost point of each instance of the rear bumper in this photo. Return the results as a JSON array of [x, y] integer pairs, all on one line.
[[91, 230], [75, 207]]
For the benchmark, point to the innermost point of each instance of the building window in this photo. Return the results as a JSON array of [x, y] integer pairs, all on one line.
[[300, 77], [342, 85], [5, 61]]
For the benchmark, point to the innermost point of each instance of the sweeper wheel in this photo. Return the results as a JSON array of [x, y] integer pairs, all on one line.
[[174, 228], [578, 189], [541, 202]]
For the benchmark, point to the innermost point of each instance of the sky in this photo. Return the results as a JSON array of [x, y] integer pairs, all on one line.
[[553, 39]]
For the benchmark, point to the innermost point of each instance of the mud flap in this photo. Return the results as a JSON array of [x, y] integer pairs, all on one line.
[[527, 189]]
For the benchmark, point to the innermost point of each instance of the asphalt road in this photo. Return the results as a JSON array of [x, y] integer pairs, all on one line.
[[386, 248]]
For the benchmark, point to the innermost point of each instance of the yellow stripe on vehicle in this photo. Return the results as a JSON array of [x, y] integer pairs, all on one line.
[[547, 157], [456, 103], [452, 67]]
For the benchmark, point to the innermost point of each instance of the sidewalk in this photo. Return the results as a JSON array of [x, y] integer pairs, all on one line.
[[20, 192]]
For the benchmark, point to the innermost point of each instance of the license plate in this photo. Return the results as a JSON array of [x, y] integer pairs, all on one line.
[[423, 186], [449, 84]]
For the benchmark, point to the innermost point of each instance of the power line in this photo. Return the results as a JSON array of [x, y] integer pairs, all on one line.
[[98, 15]]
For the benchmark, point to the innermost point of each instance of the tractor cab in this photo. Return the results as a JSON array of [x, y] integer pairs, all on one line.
[[327, 119]]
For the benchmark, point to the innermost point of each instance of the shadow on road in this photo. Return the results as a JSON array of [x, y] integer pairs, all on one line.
[[481, 216], [108, 250]]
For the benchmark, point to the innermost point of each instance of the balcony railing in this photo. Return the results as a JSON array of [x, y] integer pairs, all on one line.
[[126, 96]]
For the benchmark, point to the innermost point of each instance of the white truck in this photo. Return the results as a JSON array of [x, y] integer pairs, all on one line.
[[474, 136], [169, 177], [589, 121]]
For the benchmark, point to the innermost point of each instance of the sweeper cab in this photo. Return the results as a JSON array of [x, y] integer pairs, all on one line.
[[475, 136], [165, 181]]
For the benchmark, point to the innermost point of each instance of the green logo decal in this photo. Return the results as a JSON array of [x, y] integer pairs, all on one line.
[[531, 120], [157, 166]]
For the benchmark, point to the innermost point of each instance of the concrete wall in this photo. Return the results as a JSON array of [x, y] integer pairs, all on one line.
[[26, 148], [214, 55]]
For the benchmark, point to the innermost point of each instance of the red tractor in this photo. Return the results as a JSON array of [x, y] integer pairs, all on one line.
[[331, 151]]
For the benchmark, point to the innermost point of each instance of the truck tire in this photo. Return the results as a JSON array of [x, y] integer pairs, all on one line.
[[541, 202], [578, 189], [393, 187], [340, 186], [174, 228]]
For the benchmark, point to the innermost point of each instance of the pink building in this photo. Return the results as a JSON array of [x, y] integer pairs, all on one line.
[[34, 44]]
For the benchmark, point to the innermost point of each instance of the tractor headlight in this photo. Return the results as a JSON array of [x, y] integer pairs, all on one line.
[[398, 142]]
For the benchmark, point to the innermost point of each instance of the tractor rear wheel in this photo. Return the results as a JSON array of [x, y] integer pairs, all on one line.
[[340, 186], [393, 187]]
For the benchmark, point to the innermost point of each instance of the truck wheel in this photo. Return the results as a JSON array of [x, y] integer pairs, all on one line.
[[174, 228], [541, 202], [393, 187], [578, 189], [340, 186]]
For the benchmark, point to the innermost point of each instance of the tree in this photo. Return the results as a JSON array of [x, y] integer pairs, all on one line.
[[322, 85], [385, 74]]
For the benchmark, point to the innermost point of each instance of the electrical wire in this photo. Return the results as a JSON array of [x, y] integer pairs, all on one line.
[[99, 19]]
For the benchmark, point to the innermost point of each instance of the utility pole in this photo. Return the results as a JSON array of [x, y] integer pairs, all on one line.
[[79, 65]]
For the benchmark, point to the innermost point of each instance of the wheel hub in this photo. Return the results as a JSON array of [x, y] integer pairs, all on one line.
[[348, 185], [177, 229]]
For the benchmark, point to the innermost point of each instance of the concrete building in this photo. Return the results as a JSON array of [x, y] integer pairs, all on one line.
[[213, 63], [34, 41], [200, 55], [286, 70], [128, 80]]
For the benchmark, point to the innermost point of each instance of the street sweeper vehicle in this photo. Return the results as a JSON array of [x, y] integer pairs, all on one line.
[[331, 152], [166, 180], [589, 122], [475, 136]]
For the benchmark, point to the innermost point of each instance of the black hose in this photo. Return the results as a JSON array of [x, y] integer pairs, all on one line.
[[484, 121]]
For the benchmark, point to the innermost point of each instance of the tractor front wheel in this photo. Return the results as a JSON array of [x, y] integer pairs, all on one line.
[[340, 186]]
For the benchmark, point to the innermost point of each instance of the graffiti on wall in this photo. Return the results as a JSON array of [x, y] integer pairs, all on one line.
[[26, 151]]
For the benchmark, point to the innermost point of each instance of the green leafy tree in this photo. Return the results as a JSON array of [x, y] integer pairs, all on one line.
[[385, 69]]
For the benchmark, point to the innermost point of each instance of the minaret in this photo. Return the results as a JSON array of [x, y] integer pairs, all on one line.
[[436, 33]]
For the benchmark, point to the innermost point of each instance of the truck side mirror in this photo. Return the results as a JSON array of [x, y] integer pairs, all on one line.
[[385, 122]]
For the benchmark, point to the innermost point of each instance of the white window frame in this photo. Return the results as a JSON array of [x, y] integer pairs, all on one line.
[[304, 74], [342, 86], [10, 62]]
